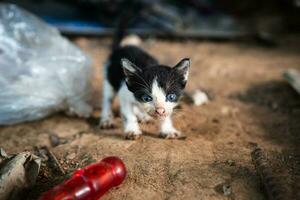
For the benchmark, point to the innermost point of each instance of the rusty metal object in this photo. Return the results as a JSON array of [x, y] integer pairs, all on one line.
[[272, 185]]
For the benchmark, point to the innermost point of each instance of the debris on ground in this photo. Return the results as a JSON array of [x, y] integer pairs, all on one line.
[[226, 190], [293, 77], [197, 97], [230, 162], [49, 156], [71, 156], [92, 182], [240, 99], [200, 98], [17, 173], [273, 186], [55, 140]]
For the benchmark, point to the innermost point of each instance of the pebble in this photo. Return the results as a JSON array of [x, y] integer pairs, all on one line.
[[200, 98], [226, 190], [54, 139], [71, 156]]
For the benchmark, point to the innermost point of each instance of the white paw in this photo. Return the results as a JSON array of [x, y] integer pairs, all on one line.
[[106, 124], [172, 135], [131, 135]]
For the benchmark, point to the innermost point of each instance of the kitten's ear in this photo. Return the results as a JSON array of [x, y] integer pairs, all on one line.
[[129, 68], [183, 68]]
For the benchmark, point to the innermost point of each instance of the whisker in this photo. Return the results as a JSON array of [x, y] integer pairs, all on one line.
[[143, 86], [143, 80]]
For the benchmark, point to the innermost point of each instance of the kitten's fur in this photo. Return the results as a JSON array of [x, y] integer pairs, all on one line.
[[146, 89], [135, 76]]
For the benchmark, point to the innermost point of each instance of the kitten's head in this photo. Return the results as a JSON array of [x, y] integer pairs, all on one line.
[[156, 88]]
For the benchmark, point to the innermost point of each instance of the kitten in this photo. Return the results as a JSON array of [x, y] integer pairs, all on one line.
[[147, 90]]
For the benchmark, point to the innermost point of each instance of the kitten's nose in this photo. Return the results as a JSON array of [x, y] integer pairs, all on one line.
[[160, 110]]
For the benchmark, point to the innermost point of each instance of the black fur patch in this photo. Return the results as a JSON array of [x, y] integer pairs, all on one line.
[[115, 74], [140, 83]]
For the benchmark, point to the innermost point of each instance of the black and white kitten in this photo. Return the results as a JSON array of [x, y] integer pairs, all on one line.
[[147, 90]]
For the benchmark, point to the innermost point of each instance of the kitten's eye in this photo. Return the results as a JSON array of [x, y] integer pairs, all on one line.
[[146, 98], [172, 97]]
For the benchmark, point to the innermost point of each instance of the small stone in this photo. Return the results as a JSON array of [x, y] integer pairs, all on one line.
[[230, 162], [226, 190], [54, 139], [71, 156], [225, 110], [200, 98]]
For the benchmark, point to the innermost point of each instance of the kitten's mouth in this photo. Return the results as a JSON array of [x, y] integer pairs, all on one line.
[[157, 116]]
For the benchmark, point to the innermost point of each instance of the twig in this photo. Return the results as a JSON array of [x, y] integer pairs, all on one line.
[[272, 185], [55, 160]]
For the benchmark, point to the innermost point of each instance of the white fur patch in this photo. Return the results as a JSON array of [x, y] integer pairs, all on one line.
[[159, 99], [108, 95], [126, 64], [186, 75], [167, 126], [158, 95], [141, 114], [184, 66], [127, 104]]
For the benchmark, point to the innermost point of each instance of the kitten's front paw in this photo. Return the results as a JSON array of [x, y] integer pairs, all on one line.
[[107, 124], [131, 135], [173, 135]]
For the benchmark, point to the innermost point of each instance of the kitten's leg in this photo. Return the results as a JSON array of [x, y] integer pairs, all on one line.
[[141, 115], [130, 121], [106, 120], [168, 131]]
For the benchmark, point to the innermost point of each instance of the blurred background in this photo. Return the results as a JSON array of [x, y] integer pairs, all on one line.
[[265, 20]]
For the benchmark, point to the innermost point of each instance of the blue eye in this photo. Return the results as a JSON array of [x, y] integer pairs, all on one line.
[[172, 97], [146, 98]]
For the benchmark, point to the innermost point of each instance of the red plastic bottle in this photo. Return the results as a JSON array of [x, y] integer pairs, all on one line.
[[91, 182]]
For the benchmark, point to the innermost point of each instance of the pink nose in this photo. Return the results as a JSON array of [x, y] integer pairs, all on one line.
[[160, 111]]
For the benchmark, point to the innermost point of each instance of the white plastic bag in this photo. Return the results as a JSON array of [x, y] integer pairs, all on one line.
[[40, 71]]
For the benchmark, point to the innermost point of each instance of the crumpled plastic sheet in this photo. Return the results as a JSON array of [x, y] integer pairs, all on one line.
[[41, 72]]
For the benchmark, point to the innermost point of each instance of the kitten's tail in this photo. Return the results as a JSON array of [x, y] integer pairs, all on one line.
[[131, 9]]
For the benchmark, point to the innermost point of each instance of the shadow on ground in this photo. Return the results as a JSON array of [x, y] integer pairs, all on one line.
[[281, 103]]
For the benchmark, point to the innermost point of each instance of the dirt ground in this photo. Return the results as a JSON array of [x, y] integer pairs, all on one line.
[[250, 105]]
